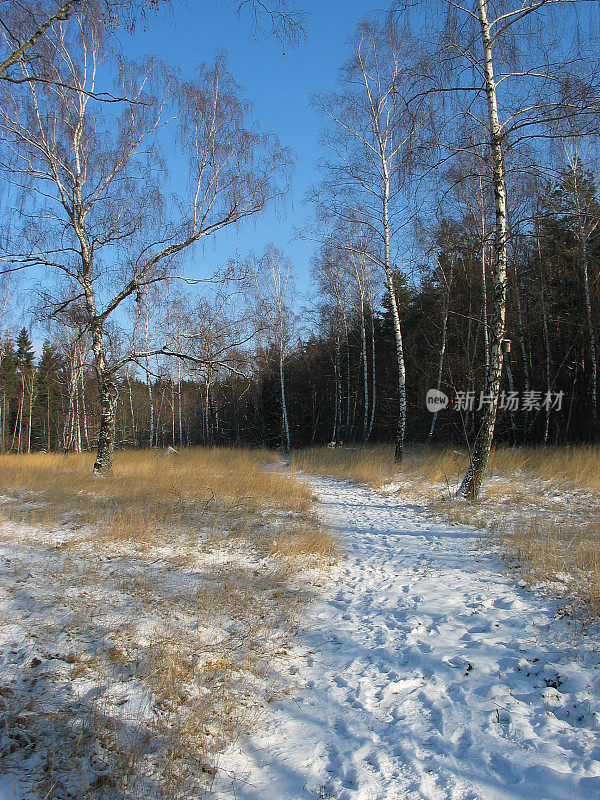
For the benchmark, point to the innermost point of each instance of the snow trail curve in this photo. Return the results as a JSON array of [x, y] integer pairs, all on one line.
[[425, 674]]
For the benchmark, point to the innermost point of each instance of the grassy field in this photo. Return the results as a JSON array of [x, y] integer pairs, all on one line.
[[542, 504], [144, 616]]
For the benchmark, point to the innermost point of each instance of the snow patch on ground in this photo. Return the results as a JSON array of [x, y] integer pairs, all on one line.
[[425, 672], [107, 650]]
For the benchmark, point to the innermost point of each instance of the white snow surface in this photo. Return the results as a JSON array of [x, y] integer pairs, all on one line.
[[425, 671]]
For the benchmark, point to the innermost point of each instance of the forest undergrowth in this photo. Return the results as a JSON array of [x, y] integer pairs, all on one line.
[[145, 615]]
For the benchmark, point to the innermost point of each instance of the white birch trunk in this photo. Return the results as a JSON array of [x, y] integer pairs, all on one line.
[[179, 402], [363, 337], [131, 410], [336, 372], [30, 391], [511, 388], [401, 427], [484, 311], [471, 483], [373, 378], [86, 437], [284, 414], [546, 336], [442, 349], [151, 405], [590, 325]]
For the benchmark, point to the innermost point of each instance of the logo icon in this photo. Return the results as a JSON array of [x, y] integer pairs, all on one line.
[[436, 400]]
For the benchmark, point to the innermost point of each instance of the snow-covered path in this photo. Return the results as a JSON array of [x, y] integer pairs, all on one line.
[[426, 673]]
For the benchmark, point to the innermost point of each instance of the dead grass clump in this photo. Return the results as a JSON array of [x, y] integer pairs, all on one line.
[[370, 465], [375, 465], [129, 525], [314, 542], [564, 467], [563, 555]]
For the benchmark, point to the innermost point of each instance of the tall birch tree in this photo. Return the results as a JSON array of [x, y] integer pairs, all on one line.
[[94, 210], [516, 79], [273, 283], [379, 125]]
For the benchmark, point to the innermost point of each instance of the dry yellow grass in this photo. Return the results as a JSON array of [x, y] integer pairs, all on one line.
[[375, 465], [562, 555], [181, 573], [562, 467], [371, 465], [197, 474]]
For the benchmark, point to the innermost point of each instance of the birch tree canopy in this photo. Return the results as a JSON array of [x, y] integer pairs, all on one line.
[[94, 210]]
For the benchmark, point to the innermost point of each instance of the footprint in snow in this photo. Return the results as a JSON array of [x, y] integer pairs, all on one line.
[[503, 768], [462, 741]]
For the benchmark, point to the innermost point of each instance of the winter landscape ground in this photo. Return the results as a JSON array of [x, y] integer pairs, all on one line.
[[215, 638], [368, 236], [428, 672], [143, 616]]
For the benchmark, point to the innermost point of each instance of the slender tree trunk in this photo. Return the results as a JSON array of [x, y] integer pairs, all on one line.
[[484, 308], [48, 415], [316, 424], [158, 432], [521, 338], [568, 425], [77, 418], [68, 426], [348, 383], [172, 412], [373, 378], [546, 338], [86, 437], [481, 451], [511, 388], [590, 325], [151, 405], [470, 361], [363, 338], [31, 387], [442, 350], [208, 436], [131, 411], [336, 372], [401, 427], [77, 410], [179, 402], [21, 404], [12, 444], [284, 414]]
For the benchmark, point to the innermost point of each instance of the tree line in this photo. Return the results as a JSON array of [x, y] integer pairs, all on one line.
[[339, 377]]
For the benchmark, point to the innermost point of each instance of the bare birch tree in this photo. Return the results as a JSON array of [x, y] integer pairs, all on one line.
[[512, 45], [26, 26], [91, 175], [445, 275], [378, 118], [273, 285]]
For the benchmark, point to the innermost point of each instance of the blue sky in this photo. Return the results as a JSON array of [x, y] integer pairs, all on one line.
[[279, 81]]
